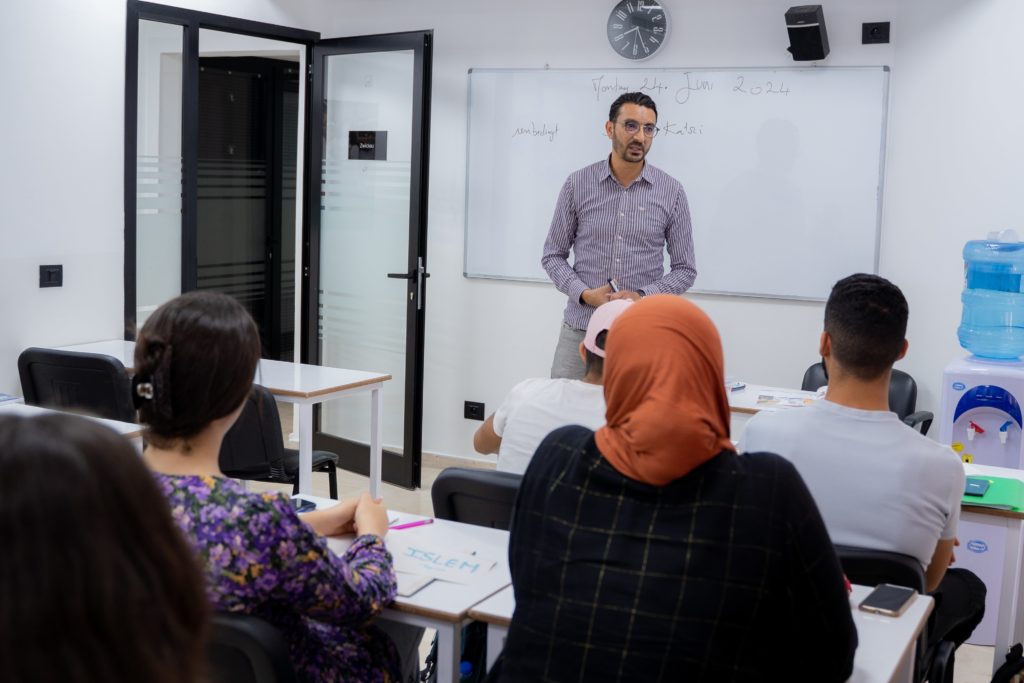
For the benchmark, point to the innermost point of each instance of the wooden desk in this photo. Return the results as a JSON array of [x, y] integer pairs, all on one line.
[[442, 605], [301, 384], [1005, 591], [129, 430], [885, 653]]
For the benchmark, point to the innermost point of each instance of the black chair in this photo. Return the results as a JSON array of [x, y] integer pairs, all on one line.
[[480, 497], [902, 395], [67, 380], [254, 447], [246, 649], [872, 567]]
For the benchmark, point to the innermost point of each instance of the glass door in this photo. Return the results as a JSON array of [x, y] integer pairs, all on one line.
[[365, 300]]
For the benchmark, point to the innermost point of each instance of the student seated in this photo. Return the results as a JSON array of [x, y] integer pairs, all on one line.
[[878, 483], [195, 360], [536, 407], [96, 582], [650, 551]]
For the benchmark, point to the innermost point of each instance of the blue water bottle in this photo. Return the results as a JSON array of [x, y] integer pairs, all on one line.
[[992, 324]]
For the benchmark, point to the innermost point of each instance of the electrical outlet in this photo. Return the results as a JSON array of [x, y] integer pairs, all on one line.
[[51, 276], [474, 410], [874, 32]]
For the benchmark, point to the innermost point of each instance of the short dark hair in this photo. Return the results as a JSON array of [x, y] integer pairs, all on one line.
[[637, 98], [96, 581], [595, 363], [199, 351], [866, 320]]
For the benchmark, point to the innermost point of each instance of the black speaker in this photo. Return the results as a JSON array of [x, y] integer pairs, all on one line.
[[808, 40]]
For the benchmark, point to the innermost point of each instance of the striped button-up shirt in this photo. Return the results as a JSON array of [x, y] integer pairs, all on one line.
[[618, 232]]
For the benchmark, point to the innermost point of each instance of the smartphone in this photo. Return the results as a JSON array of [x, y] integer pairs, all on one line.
[[302, 505], [889, 600]]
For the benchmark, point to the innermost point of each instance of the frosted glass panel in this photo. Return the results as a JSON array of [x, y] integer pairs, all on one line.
[[364, 233], [158, 167]]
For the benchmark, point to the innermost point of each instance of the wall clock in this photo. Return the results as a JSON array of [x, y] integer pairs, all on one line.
[[637, 28]]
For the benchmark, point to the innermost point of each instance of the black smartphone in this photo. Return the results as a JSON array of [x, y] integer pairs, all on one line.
[[302, 505], [888, 599]]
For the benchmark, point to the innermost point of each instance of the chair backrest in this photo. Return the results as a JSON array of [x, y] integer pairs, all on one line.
[[67, 380], [480, 497], [254, 446], [902, 388], [246, 649], [871, 567]]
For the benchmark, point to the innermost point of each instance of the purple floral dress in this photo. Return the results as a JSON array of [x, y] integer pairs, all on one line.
[[261, 559]]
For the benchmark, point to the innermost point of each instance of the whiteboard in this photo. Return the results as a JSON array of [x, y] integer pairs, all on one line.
[[783, 168]]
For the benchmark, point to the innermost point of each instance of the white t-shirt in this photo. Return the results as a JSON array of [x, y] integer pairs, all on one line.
[[878, 483], [535, 408]]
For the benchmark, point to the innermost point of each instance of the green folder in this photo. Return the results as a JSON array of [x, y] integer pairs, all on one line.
[[1002, 494]]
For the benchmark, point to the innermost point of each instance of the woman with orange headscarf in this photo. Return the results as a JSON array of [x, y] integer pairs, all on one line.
[[650, 551]]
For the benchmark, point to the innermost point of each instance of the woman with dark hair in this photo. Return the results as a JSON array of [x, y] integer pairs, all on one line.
[[650, 551], [96, 582], [194, 360]]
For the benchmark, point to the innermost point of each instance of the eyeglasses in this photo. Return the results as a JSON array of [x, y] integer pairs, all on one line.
[[631, 126]]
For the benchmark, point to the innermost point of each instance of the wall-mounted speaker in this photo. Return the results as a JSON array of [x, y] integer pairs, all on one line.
[[808, 40]]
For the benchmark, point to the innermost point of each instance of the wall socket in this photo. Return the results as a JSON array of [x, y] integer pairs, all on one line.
[[874, 33], [474, 410], [51, 276]]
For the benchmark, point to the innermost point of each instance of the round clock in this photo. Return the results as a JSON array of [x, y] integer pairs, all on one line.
[[637, 28]]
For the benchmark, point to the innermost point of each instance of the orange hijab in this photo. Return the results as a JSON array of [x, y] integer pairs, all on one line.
[[665, 391]]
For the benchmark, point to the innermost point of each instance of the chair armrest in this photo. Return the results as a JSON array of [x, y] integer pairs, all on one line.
[[921, 417]]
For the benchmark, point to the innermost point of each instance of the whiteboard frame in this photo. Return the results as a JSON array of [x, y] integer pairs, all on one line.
[[885, 70]]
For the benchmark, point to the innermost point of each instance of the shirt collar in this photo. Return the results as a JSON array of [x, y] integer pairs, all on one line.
[[607, 174]]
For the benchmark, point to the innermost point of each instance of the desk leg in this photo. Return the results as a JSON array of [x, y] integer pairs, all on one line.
[[449, 649], [495, 643], [376, 435], [1009, 629], [305, 448]]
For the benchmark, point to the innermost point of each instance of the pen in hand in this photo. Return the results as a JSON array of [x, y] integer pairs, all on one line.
[[613, 284]]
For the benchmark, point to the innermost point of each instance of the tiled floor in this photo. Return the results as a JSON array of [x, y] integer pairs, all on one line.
[[973, 663]]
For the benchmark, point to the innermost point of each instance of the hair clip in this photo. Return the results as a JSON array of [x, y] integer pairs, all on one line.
[[144, 390]]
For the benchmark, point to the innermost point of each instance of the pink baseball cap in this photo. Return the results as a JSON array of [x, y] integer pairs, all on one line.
[[602, 320]]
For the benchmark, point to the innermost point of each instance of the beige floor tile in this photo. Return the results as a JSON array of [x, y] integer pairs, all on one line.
[[973, 664]]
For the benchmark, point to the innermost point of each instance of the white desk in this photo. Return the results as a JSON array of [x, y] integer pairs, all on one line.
[[303, 385], [442, 605], [129, 430], [744, 404], [885, 653], [886, 645]]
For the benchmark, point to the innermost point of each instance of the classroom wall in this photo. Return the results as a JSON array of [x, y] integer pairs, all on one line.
[[952, 99], [952, 160], [61, 173]]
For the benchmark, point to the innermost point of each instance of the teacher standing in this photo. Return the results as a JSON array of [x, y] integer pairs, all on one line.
[[617, 216]]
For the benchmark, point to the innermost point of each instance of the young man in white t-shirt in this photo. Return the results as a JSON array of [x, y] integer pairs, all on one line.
[[536, 407], [878, 483]]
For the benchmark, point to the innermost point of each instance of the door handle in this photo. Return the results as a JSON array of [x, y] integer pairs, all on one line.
[[402, 276]]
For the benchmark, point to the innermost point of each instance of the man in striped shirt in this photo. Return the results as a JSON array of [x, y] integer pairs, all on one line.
[[617, 216]]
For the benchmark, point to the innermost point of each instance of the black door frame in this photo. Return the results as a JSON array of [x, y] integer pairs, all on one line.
[[402, 470], [191, 21]]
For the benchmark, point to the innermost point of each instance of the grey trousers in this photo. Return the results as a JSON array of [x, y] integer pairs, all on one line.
[[567, 362]]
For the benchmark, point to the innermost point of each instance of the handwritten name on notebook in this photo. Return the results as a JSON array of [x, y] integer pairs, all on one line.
[[458, 567]]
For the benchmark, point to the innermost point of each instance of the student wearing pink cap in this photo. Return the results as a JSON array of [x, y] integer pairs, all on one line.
[[536, 407]]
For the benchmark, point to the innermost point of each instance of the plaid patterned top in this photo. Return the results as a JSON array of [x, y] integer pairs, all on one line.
[[618, 232], [726, 574]]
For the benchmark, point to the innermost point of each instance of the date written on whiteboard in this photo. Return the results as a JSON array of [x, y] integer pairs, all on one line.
[[763, 88]]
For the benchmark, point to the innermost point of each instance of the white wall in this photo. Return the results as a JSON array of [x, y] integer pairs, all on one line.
[[61, 174], [952, 164]]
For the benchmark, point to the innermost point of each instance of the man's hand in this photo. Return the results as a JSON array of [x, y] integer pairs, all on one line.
[[952, 555], [625, 294], [597, 296]]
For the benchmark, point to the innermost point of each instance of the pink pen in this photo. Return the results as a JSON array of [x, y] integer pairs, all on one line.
[[409, 525]]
